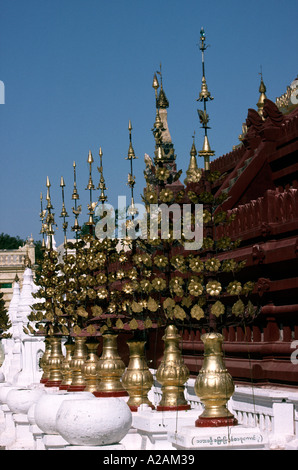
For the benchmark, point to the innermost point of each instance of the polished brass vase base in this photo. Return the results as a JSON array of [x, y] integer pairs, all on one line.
[[65, 367], [78, 383], [110, 369], [172, 374], [54, 363], [214, 385], [44, 362], [137, 378]]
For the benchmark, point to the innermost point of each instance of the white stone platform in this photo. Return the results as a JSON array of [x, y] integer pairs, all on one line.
[[218, 438], [152, 426]]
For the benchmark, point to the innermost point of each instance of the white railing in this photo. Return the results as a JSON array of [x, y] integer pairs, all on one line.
[[13, 258], [273, 411]]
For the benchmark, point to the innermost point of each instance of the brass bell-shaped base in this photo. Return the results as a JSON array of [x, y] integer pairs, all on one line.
[[110, 369], [137, 378], [65, 366], [44, 361], [214, 385], [54, 363], [78, 382], [89, 369], [172, 374]]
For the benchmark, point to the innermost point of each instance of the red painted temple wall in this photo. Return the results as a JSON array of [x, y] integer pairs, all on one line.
[[262, 185]]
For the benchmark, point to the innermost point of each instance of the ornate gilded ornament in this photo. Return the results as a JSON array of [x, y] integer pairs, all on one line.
[[110, 369], [137, 378], [172, 373], [214, 385], [78, 359]]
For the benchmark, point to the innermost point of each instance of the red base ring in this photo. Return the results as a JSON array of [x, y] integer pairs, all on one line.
[[52, 384], [135, 408], [63, 387], [215, 422], [173, 408], [76, 388], [111, 394]]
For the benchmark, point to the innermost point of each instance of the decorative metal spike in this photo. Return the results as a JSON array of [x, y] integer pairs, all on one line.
[[75, 194], [102, 198], [131, 180], [64, 213], [204, 96]]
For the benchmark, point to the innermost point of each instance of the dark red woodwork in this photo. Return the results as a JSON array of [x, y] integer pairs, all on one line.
[[261, 180]]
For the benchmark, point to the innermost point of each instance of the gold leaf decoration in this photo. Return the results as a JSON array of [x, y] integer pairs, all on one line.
[[133, 324], [82, 312], [119, 324], [152, 305], [91, 330], [197, 312], [136, 307], [96, 310]]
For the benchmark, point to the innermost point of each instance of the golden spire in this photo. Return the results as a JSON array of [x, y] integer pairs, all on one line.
[[90, 187], [158, 125], [131, 180], [193, 172], [162, 101], [64, 213], [102, 198], [76, 209], [204, 96], [90, 160], [75, 194], [42, 218], [50, 220], [262, 98]]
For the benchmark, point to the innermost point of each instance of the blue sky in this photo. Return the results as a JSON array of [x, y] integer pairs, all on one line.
[[76, 71]]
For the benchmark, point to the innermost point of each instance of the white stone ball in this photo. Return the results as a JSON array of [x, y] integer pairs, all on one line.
[[46, 409], [99, 422], [20, 400], [4, 392]]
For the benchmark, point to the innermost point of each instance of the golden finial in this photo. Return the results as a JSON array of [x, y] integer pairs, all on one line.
[[263, 97], [204, 96], [193, 172], [131, 178], [64, 213], [162, 101], [158, 124], [90, 187], [75, 194], [206, 152], [76, 209], [50, 220], [42, 218], [102, 198], [155, 85], [131, 153], [90, 160]]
